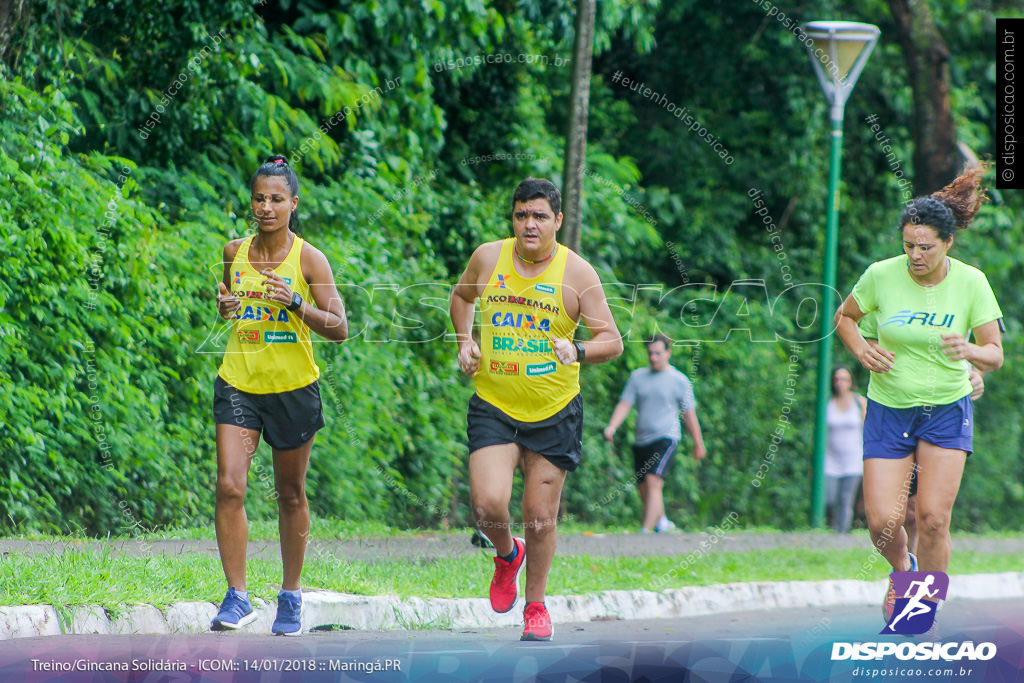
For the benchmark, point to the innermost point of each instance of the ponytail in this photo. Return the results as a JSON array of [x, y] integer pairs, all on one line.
[[964, 196], [952, 208]]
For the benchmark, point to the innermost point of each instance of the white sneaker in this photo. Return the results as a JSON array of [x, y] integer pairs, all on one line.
[[664, 525]]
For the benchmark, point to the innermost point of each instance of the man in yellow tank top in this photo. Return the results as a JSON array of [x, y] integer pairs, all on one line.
[[527, 411]]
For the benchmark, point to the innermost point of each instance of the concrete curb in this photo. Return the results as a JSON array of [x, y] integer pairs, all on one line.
[[376, 613]]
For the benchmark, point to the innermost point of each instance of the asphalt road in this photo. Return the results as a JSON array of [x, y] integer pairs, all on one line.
[[777, 645]]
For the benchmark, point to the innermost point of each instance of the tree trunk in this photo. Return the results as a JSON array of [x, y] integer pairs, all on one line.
[[576, 136], [11, 12], [937, 158]]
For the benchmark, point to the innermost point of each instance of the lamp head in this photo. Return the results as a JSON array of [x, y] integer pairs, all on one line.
[[839, 51]]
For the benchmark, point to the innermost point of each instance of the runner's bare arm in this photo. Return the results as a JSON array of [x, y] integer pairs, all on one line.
[[986, 354], [226, 303], [693, 426], [606, 342], [464, 295], [619, 415], [872, 357], [977, 378], [328, 319], [462, 307]]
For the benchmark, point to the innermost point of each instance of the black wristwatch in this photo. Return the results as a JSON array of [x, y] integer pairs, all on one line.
[[581, 351], [296, 302]]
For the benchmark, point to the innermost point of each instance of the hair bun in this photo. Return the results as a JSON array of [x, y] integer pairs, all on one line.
[[277, 159]]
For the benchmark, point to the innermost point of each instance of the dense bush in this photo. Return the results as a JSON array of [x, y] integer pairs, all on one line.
[[113, 223]]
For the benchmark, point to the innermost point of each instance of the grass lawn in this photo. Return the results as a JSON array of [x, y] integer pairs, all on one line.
[[88, 577]]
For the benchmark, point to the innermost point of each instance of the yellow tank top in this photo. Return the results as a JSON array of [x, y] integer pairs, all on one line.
[[519, 373], [269, 350]]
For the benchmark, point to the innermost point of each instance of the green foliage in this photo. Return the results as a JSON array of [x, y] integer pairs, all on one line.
[[97, 370], [130, 172]]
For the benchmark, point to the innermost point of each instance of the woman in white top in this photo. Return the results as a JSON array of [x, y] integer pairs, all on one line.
[[844, 457]]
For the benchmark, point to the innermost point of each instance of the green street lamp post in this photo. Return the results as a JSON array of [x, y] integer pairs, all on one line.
[[839, 50]]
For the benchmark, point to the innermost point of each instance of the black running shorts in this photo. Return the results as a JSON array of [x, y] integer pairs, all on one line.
[[558, 438], [287, 420], [654, 458]]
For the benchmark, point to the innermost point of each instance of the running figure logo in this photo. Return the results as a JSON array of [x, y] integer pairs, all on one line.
[[917, 598]]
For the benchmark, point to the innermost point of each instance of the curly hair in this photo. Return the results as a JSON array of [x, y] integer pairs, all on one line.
[[952, 208]]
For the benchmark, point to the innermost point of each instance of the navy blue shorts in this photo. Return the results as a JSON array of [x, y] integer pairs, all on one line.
[[894, 432]]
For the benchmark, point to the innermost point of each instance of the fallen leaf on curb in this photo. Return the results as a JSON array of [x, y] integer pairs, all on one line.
[[332, 627]]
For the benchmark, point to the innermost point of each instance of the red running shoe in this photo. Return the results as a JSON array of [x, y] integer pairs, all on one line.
[[538, 622], [505, 584], [889, 604]]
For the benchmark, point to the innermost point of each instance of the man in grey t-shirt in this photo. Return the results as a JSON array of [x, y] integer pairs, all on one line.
[[660, 393]]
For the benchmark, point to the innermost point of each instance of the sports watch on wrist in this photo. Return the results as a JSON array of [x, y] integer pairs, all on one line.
[[295, 303], [581, 351]]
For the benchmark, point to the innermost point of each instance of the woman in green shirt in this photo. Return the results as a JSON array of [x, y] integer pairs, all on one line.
[[927, 305]]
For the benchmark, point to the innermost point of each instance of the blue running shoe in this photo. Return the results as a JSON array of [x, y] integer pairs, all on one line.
[[289, 615], [235, 612]]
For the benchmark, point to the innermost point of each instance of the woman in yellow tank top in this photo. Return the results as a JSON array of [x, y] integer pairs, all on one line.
[[267, 384]]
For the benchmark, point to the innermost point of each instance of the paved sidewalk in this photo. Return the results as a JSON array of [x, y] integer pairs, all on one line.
[[328, 610]]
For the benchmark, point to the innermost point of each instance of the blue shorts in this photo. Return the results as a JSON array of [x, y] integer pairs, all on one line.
[[894, 432]]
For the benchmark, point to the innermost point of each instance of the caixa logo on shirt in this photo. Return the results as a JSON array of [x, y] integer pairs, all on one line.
[[906, 317], [263, 313], [521, 320]]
